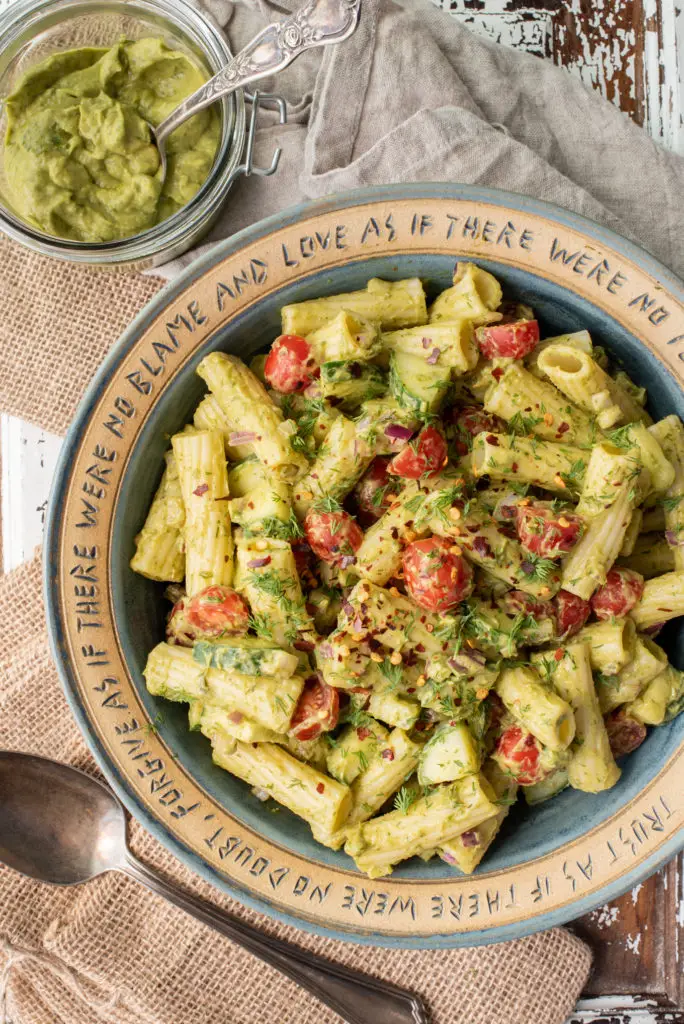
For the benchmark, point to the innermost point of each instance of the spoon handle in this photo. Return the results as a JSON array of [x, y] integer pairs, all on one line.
[[357, 998], [316, 23]]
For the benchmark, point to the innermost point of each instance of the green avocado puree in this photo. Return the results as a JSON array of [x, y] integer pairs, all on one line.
[[79, 162]]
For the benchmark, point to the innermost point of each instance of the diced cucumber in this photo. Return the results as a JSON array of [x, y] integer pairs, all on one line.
[[416, 385], [351, 382], [396, 711], [349, 757], [240, 656], [448, 756]]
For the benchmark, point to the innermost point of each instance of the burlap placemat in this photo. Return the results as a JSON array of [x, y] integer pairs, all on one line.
[[112, 952]]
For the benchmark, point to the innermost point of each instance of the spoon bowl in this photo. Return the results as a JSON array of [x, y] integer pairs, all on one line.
[[59, 825]]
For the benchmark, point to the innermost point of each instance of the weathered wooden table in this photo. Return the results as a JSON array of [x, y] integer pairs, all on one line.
[[633, 52]]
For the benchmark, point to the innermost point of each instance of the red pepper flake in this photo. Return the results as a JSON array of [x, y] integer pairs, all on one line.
[[559, 654], [497, 373], [387, 754], [514, 467], [493, 440], [363, 732], [482, 546], [202, 489], [563, 428], [410, 689], [320, 788], [420, 648]]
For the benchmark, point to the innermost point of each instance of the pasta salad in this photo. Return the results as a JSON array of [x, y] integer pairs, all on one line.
[[418, 561]]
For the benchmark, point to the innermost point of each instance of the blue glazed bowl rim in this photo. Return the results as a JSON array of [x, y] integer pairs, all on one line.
[[335, 203]]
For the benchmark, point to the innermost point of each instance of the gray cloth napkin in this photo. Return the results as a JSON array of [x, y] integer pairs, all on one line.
[[415, 96]]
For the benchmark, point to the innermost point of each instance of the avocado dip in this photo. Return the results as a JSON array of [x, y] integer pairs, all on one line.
[[79, 162]]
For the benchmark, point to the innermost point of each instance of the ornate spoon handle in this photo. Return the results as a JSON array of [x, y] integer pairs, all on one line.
[[356, 997], [316, 23]]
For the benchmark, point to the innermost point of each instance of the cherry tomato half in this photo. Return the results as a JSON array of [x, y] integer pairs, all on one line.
[[289, 365], [571, 613], [511, 341], [376, 489], [435, 577], [618, 595], [425, 454], [518, 752], [625, 734], [547, 533], [334, 536], [471, 420], [213, 612], [317, 710]]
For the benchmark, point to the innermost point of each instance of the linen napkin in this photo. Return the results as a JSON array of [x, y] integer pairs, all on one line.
[[411, 97]]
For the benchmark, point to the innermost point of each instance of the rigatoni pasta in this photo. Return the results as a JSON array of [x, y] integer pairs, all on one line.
[[416, 558]]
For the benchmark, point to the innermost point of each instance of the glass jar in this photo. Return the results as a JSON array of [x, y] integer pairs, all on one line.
[[32, 30]]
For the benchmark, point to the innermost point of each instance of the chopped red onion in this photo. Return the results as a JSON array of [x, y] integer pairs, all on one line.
[[527, 568], [506, 507], [448, 857], [398, 433], [238, 437], [387, 754], [674, 539], [654, 629], [357, 624], [470, 838], [347, 560], [434, 356], [347, 608], [426, 342], [201, 489], [258, 563], [326, 650]]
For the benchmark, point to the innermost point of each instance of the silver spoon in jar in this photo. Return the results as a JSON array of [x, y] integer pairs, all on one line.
[[61, 826], [316, 23]]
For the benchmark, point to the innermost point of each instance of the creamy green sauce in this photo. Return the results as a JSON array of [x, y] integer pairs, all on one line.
[[79, 162]]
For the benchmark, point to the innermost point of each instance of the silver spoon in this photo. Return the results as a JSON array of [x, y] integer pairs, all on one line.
[[316, 23], [59, 825]]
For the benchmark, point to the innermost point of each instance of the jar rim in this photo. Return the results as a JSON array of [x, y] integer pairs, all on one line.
[[195, 27]]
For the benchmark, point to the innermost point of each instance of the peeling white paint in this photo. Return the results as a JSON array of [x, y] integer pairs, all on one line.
[[605, 916], [633, 942], [635, 892]]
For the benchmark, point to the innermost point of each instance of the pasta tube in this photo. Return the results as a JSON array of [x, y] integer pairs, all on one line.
[[651, 556], [576, 339], [340, 462], [652, 456], [266, 575], [172, 672], [249, 411], [592, 766], [555, 467], [650, 707], [317, 798], [578, 376], [159, 552], [234, 725], [533, 406], [209, 416], [609, 496], [473, 296], [611, 644], [429, 822], [346, 336], [631, 533], [379, 556], [669, 433], [543, 713], [449, 343], [662, 600], [648, 662], [391, 304], [467, 850], [269, 701], [207, 532]]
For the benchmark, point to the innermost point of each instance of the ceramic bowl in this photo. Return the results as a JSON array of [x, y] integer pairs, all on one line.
[[551, 863]]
